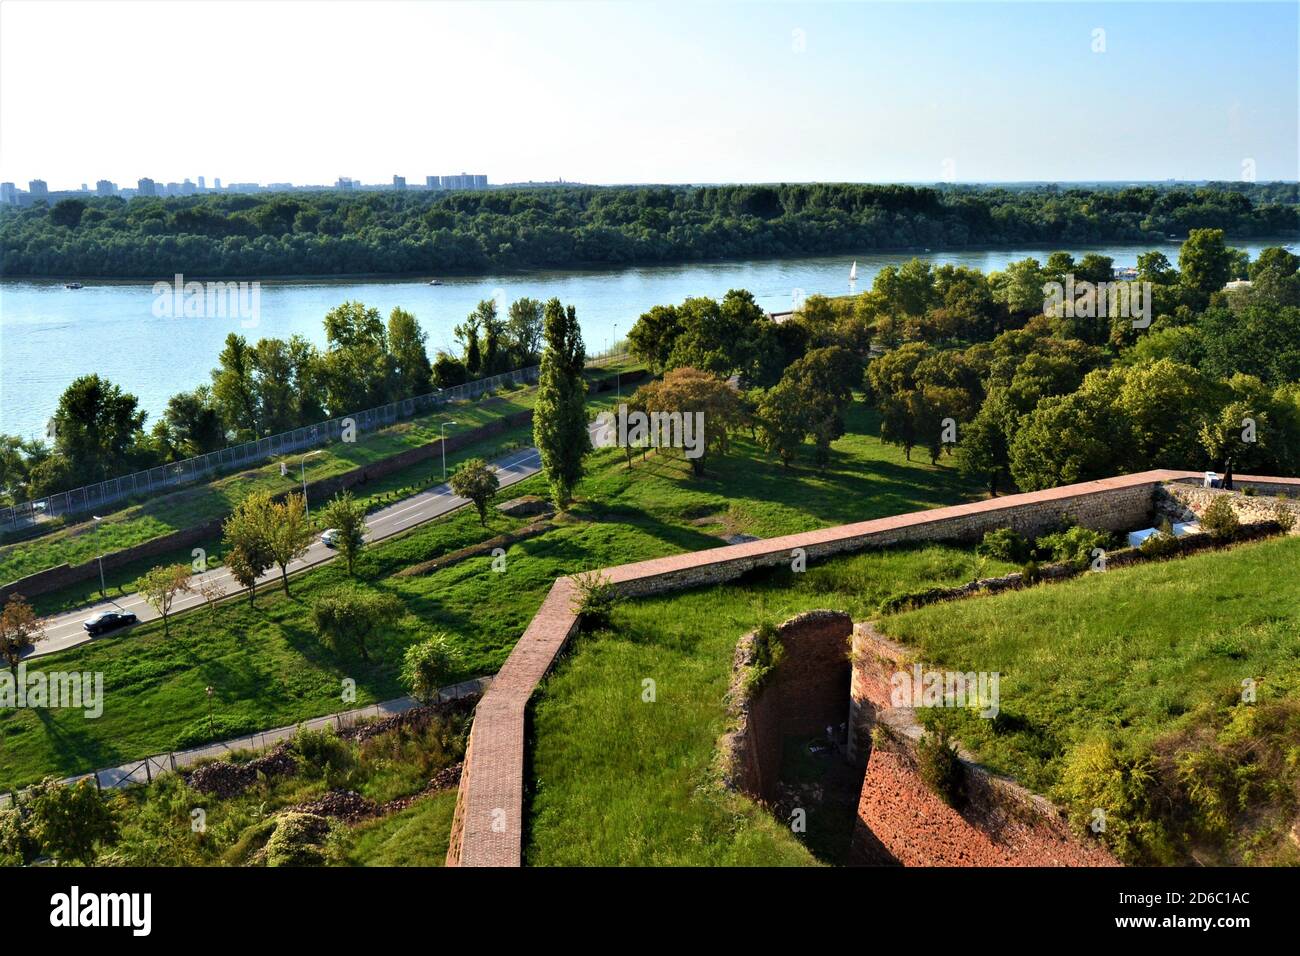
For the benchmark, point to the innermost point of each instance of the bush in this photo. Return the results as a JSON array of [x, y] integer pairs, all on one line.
[[1162, 544], [18, 846], [1005, 545], [428, 665], [1112, 792], [321, 753], [1030, 574], [299, 840], [1220, 520], [348, 617], [596, 599], [1074, 545], [1284, 517], [768, 651], [941, 768]]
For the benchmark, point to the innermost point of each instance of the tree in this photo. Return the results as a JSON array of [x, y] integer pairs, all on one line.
[[560, 414], [714, 406], [983, 451], [427, 666], [348, 518], [95, 425], [288, 533], [159, 587], [192, 423], [1070, 438], [449, 371], [1205, 262], [413, 373], [234, 392], [475, 480], [211, 589], [350, 616], [71, 821], [247, 550], [467, 332], [525, 329], [19, 629], [357, 366], [781, 425]]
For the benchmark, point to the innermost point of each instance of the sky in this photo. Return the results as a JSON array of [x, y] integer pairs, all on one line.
[[307, 91]]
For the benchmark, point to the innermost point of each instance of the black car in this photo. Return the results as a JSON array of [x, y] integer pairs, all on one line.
[[108, 621]]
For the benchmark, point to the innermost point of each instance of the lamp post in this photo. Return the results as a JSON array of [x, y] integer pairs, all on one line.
[[103, 591], [211, 726], [443, 444], [302, 471]]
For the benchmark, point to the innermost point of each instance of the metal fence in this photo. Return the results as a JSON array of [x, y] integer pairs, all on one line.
[[164, 478]]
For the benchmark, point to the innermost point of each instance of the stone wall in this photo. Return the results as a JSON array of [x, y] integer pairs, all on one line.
[[1181, 501], [902, 821], [807, 691]]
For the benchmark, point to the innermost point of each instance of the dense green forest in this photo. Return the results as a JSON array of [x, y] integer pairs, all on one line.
[[341, 233]]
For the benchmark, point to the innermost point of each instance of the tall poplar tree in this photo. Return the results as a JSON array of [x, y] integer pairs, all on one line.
[[560, 416]]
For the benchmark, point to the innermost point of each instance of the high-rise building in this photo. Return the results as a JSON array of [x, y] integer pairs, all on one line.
[[146, 187], [432, 182], [38, 188], [216, 183], [203, 185], [399, 182], [8, 194], [105, 188], [480, 181], [345, 182]]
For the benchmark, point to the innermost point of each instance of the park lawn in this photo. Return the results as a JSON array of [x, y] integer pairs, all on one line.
[[201, 503], [617, 781], [267, 667], [1138, 652]]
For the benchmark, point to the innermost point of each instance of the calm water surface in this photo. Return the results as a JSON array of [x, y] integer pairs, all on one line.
[[49, 335]]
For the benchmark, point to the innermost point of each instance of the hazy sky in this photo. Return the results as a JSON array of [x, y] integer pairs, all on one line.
[[626, 92]]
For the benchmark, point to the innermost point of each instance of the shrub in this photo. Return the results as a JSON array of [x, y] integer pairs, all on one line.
[[596, 599], [322, 753], [768, 651], [1005, 545], [428, 665], [941, 768], [348, 617], [1250, 491], [1284, 517], [1220, 520], [1030, 574], [299, 840], [1162, 544], [18, 846], [1074, 545], [1111, 792]]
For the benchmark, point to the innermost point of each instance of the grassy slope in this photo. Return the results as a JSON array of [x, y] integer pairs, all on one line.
[[267, 667], [1138, 651], [619, 781]]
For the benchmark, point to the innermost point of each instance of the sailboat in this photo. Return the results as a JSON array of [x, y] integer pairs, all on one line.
[[853, 271]]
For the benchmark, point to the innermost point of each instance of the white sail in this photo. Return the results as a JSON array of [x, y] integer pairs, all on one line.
[[853, 271]]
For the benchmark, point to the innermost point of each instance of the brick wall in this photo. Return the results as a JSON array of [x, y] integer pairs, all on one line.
[[807, 691], [902, 821]]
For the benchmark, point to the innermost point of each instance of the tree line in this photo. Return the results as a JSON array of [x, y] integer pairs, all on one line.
[[1019, 391], [98, 431], [339, 233]]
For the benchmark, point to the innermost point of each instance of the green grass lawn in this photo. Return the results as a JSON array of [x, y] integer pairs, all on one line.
[[416, 836], [205, 502], [618, 781], [1146, 663], [267, 667]]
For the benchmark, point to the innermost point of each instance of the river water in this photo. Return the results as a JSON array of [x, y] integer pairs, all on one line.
[[49, 334]]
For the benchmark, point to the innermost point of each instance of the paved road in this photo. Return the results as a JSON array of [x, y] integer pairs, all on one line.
[[64, 630]]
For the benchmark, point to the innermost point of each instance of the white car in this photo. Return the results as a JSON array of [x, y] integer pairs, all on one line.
[[329, 537]]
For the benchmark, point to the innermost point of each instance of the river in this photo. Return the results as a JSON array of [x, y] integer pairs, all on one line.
[[49, 335]]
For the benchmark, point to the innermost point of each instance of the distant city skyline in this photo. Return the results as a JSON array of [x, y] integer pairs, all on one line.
[[671, 93]]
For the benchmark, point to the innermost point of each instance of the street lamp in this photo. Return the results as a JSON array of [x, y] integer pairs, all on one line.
[[443, 444], [302, 470], [618, 372], [211, 727], [103, 591]]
